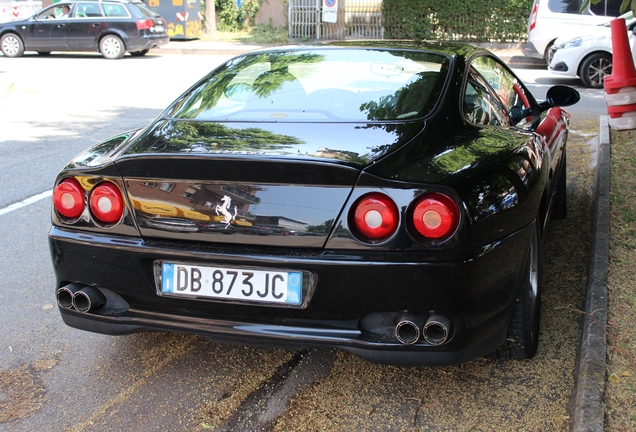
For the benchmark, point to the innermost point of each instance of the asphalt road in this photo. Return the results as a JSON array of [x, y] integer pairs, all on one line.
[[56, 378]]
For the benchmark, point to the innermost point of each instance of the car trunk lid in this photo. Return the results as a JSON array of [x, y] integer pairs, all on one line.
[[244, 184]]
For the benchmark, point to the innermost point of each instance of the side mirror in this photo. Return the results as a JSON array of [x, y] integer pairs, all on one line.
[[560, 96]]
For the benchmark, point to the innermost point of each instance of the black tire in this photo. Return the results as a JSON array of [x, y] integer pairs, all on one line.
[[112, 47], [139, 53], [547, 54], [11, 45], [523, 331], [44, 53], [595, 68], [560, 203]]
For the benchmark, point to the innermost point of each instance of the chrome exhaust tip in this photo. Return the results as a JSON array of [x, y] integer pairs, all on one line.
[[437, 329], [65, 295], [407, 328], [87, 299]]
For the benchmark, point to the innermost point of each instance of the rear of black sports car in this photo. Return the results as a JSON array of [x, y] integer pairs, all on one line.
[[296, 225]]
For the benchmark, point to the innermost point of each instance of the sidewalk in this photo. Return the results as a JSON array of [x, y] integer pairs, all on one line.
[[203, 47]]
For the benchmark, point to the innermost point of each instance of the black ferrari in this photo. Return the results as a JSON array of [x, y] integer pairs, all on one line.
[[388, 199]]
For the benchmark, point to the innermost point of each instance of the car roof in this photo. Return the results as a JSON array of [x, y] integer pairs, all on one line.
[[448, 48]]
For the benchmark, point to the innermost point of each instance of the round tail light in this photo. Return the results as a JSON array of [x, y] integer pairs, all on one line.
[[106, 203], [376, 216], [68, 198], [435, 216]]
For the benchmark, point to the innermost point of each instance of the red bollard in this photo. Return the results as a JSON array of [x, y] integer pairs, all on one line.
[[623, 72], [620, 86]]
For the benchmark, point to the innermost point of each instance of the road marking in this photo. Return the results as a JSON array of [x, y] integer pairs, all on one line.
[[26, 202]]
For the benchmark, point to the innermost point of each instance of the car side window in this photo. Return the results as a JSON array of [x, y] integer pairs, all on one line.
[[609, 8], [507, 88], [480, 104], [565, 6], [88, 10], [115, 11], [54, 12]]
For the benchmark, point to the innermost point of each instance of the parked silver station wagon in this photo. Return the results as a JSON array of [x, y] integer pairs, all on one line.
[[110, 27]]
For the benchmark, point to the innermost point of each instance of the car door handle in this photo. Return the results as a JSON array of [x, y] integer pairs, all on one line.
[[61, 25], [95, 25]]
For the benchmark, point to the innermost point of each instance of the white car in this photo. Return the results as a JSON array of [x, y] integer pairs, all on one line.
[[588, 57], [550, 19]]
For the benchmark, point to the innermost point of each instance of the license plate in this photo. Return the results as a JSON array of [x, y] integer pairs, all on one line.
[[263, 286], [159, 28]]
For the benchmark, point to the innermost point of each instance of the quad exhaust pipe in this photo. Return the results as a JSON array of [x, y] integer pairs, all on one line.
[[437, 329], [408, 327], [82, 298], [411, 327]]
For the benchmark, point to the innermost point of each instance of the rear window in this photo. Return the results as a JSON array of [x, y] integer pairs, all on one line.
[[565, 6], [115, 10], [319, 85], [146, 11], [602, 8]]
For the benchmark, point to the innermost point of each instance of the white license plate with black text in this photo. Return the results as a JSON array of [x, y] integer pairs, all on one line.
[[265, 286]]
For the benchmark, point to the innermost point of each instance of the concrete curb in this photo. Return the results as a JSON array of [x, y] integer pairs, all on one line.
[[590, 374], [203, 47]]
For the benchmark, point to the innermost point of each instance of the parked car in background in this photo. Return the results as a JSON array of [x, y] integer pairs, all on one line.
[[110, 27], [550, 19], [588, 57], [386, 198]]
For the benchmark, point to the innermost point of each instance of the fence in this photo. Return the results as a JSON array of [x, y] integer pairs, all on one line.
[[357, 19]]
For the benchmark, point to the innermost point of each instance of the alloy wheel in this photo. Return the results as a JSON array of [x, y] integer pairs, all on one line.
[[598, 70], [112, 47], [10, 46]]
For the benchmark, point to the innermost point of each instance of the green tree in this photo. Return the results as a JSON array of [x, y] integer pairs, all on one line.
[[209, 17], [233, 17]]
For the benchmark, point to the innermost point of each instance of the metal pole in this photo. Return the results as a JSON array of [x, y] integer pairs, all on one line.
[[318, 20]]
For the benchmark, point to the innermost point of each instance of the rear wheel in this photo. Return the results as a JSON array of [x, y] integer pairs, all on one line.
[[11, 45], [523, 331], [595, 68], [112, 47], [560, 205], [139, 53]]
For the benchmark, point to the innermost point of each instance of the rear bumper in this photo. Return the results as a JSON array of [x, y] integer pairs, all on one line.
[[353, 307], [529, 50], [478, 341], [147, 42]]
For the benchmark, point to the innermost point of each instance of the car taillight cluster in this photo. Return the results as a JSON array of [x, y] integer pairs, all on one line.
[[105, 201], [145, 24], [376, 218], [435, 216]]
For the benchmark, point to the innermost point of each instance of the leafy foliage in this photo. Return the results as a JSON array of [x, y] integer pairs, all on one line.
[[234, 17], [457, 20]]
